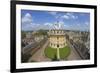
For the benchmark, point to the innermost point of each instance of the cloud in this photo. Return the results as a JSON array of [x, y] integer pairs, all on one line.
[[61, 22], [27, 22], [68, 26], [69, 16], [82, 26], [53, 13], [27, 18], [76, 26], [47, 24], [65, 16], [87, 23]]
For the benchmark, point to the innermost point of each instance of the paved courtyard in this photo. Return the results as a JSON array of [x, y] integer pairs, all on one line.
[[74, 55], [39, 55]]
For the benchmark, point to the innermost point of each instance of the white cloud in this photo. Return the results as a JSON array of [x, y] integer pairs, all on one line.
[[52, 13], [44, 26], [69, 16], [82, 26], [77, 26], [67, 27], [65, 16], [61, 22], [27, 22], [55, 14], [87, 23], [47, 24], [27, 18]]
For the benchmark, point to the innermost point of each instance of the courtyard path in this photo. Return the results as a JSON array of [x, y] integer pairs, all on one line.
[[39, 56], [74, 55]]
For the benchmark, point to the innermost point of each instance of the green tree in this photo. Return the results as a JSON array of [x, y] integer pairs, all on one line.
[[23, 34], [42, 32]]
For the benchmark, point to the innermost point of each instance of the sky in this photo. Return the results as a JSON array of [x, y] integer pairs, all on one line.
[[35, 20]]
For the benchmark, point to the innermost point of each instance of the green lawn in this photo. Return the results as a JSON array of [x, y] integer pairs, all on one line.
[[64, 52], [52, 52]]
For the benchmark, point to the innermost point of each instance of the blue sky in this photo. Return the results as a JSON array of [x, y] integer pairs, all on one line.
[[35, 20]]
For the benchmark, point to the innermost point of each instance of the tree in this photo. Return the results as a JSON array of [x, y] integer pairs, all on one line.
[[42, 32], [23, 34]]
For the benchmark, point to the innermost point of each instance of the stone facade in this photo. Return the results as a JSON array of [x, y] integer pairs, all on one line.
[[57, 38]]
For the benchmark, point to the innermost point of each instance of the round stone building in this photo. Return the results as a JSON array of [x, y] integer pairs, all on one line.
[[58, 48], [57, 38]]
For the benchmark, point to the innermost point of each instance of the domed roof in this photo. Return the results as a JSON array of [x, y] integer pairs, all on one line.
[[57, 26]]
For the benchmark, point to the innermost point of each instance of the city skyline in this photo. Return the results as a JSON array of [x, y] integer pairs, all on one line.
[[35, 20]]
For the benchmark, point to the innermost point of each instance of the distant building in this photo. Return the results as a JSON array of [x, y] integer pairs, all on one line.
[[28, 39], [28, 35], [81, 42], [38, 38]]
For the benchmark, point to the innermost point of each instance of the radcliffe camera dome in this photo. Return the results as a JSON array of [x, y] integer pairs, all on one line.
[[57, 25]]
